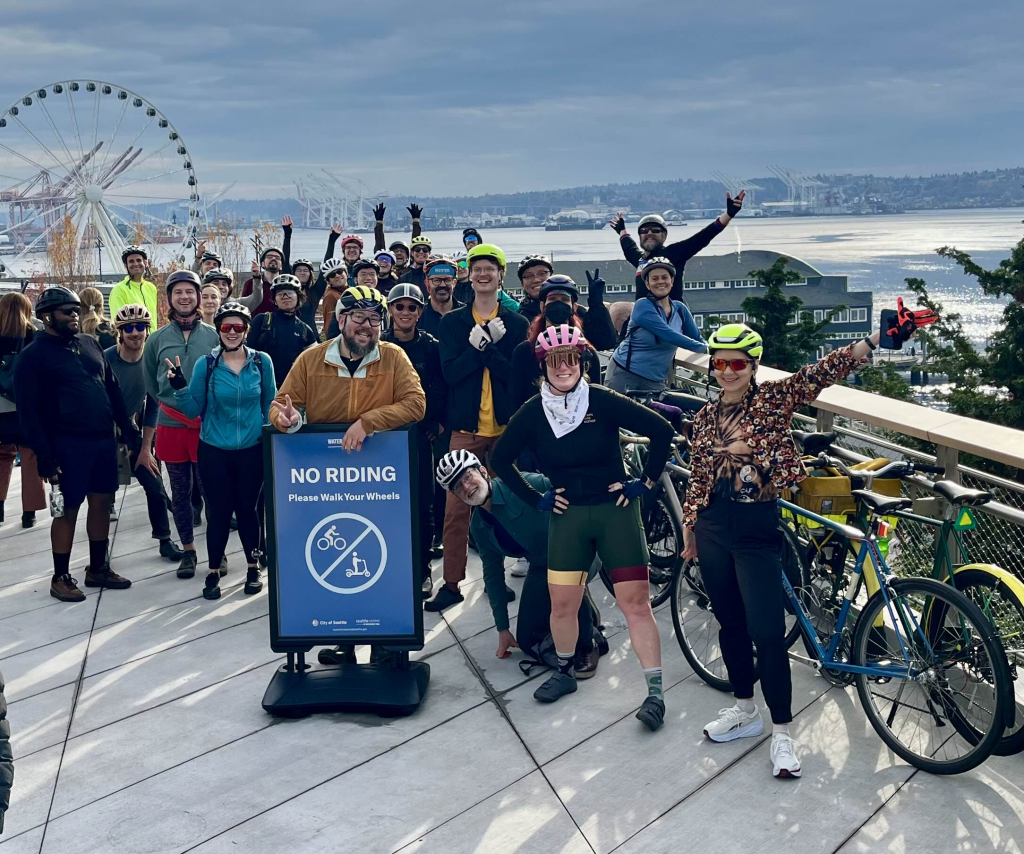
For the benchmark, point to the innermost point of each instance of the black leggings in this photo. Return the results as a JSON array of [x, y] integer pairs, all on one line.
[[232, 483], [740, 552], [183, 478]]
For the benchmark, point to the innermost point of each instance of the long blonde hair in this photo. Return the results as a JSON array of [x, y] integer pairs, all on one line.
[[15, 315], [92, 309]]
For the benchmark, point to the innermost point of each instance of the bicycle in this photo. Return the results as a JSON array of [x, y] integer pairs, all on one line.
[[915, 637], [998, 593], [331, 539]]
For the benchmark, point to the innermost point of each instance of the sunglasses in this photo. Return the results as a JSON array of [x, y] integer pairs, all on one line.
[[135, 327], [405, 306], [736, 364], [69, 309], [232, 327], [372, 319], [421, 249], [570, 358], [650, 229], [463, 265]]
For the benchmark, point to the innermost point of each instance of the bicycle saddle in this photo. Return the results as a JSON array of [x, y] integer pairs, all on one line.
[[814, 443], [954, 493], [882, 503]]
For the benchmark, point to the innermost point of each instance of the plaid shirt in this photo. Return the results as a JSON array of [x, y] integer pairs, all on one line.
[[766, 425]]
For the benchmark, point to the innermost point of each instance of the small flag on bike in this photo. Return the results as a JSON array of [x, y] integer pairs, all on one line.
[[965, 521]]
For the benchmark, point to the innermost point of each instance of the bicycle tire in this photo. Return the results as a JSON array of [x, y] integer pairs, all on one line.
[[939, 600], [796, 570], [696, 627], [1005, 611]]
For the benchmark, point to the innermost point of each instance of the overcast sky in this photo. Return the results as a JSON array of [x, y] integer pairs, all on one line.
[[473, 97]]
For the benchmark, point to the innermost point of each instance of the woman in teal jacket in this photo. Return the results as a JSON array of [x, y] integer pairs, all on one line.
[[231, 391]]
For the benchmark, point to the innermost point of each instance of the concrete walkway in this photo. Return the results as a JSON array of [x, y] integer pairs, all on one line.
[[137, 728]]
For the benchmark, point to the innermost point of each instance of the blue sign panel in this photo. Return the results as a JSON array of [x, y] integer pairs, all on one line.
[[342, 535]]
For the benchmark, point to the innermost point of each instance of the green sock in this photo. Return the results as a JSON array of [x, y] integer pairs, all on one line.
[[653, 677]]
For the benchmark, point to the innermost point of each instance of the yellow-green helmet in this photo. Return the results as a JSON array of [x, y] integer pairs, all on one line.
[[486, 250], [736, 336]]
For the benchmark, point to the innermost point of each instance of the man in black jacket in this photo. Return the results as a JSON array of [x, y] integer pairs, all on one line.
[[476, 357], [653, 232], [69, 402], [281, 334], [535, 270], [439, 274], [405, 305]]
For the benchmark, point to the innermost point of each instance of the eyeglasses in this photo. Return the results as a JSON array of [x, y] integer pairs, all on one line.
[[736, 364], [405, 306], [232, 327], [135, 327], [360, 319], [569, 357], [650, 229]]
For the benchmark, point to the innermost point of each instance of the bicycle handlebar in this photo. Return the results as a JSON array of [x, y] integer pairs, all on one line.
[[895, 468]]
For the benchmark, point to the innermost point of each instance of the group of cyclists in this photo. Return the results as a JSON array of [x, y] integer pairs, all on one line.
[[518, 431]]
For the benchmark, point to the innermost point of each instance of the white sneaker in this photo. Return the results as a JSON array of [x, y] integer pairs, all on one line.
[[734, 723], [521, 568], [784, 759]]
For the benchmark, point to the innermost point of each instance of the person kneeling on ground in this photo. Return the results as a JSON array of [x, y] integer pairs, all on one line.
[[503, 525]]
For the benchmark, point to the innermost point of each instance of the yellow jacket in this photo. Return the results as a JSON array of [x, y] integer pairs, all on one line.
[[385, 391], [126, 292]]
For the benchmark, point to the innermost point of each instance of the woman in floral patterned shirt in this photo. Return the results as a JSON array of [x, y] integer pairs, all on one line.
[[742, 457]]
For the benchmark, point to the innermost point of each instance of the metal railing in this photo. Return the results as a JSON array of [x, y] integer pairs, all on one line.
[[870, 426]]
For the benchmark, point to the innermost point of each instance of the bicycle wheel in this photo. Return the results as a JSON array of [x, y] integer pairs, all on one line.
[[795, 568], [664, 535], [958, 676], [696, 627], [821, 598], [1006, 614]]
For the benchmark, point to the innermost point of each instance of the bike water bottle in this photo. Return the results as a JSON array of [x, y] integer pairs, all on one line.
[[56, 501]]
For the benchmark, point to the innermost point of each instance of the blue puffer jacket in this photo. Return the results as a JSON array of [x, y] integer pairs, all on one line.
[[236, 404], [652, 339]]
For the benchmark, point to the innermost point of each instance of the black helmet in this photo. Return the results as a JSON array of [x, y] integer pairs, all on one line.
[[54, 298], [534, 261], [559, 284], [133, 250], [365, 264], [399, 244], [232, 308], [471, 232], [211, 256], [303, 262], [218, 275], [269, 249], [179, 276]]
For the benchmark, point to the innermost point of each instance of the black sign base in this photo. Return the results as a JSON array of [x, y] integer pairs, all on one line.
[[380, 689]]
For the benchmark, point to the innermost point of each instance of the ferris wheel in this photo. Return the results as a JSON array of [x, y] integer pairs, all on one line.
[[102, 158]]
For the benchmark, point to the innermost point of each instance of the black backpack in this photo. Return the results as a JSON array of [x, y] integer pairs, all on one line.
[[7, 373]]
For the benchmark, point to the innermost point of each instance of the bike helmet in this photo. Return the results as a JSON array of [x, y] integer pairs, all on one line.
[[385, 253], [132, 313], [736, 336], [286, 282], [54, 298], [365, 264], [658, 262], [133, 250], [471, 232], [211, 256], [486, 250], [534, 261], [453, 465], [440, 265], [179, 276], [332, 266], [421, 241], [268, 250], [653, 219], [303, 262], [559, 339], [361, 297], [406, 290], [352, 238], [399, 244], [217, 275], [559, 284], [232, 308]]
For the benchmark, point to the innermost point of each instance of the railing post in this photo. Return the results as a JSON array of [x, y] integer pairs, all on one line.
[[824, 420], [949, 459]]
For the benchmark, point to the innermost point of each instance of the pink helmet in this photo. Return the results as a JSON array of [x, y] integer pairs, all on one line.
[[558, 338], [352, 238]]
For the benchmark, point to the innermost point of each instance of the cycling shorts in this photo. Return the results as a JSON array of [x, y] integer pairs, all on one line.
[[612, 533]]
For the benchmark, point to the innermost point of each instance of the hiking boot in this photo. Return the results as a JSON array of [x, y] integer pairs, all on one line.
[[65, 588], [652, 713], [169, 549], [253, 581], [585, 663], [106, 577], [187, 567], [445, 598], [338, 655], [557, 685], [28, 519], [211, 590], [427, 587]]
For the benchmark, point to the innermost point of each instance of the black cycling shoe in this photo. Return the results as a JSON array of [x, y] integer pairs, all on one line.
[[253, 581], [602, 643], [169, 549], [557, 685], [187, 567], [28, 519], [445, 598], [338, 655], [510, 594], [652, 713], [212, 588]]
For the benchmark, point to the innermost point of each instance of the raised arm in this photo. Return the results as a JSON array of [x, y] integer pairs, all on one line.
[[646, 315], [286, 243], [805, 385]]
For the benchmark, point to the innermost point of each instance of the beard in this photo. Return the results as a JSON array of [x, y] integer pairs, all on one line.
[[355, 348]]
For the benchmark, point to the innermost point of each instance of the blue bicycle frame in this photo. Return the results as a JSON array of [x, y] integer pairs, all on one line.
[[827, 656]]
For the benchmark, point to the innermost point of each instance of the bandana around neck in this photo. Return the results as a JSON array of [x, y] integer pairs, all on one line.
[[565, 412], [186, 322]]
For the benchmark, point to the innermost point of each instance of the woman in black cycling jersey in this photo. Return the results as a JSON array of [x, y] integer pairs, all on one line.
[[573, 429]]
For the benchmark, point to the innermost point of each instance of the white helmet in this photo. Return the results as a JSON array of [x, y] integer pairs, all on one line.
[[333, 265], [452, 466]]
